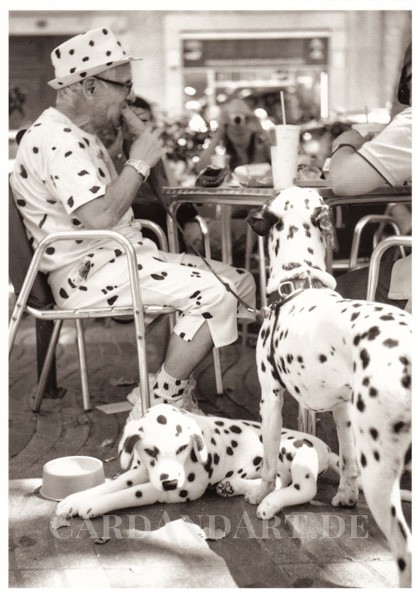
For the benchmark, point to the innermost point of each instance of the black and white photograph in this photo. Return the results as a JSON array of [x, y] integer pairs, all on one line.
[[209, 296]]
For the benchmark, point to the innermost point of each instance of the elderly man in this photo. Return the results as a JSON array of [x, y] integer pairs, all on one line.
[[63, 179]]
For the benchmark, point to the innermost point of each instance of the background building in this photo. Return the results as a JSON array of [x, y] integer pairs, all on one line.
[[327, 62]]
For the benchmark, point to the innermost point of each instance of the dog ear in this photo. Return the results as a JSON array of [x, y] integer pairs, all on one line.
[[322, 218], [131, 436], [261, 221], [199, 448]]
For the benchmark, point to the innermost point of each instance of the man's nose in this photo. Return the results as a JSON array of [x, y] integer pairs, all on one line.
[[131, 96]]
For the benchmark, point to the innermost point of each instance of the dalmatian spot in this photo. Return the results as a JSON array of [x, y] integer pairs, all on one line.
[[373, 392], [82, 173], [374, 433], [360, 404], [94, 189], [23, 173], [363, 460], [401, 564], [21, 202], [129, 483], [348, 424], [354, 316], [67, 129], [400, 426], [235, 429], [63, 293], [292, 230], [159, 277], [257, 461], [291, 265], [390, 343], [376, 455], [194, 295], [365, 358], [70, 201], [366, 381], [112, 300], [213, 441], [296, 486], [183, 493], [322, 358], [234, 443], [406, 381], [42, 221], [207, 315], [50, 250], [67, 154], [216, 458], [162, 420]]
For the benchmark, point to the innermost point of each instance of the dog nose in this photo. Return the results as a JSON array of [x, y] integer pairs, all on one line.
[[170, 484]]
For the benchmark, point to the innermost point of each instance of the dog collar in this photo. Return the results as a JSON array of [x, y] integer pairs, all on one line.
[[288, 290]]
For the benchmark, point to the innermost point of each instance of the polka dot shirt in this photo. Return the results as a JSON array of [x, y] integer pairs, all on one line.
[[58, 168]]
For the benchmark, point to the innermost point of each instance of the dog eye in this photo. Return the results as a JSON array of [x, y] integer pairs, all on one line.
[[181, 449], [152, 453]]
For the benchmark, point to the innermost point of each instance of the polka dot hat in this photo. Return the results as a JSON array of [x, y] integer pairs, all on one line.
[[85, 55]]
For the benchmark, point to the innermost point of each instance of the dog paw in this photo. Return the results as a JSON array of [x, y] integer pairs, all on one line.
[[256, 495], [267, 509], [344, 499], [225, 489], [66, 508]]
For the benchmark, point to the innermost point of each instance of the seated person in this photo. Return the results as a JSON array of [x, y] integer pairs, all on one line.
[[360, 165], [64, 179]]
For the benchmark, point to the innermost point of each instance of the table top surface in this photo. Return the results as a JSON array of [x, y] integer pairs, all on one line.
[[243, 194]]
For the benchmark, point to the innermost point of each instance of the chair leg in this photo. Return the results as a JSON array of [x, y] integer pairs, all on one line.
[[43, 376], [307, 420], [83, 365], [218, 371]]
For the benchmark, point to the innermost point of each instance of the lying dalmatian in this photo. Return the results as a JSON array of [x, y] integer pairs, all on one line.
[[173, 456], [332, 354]]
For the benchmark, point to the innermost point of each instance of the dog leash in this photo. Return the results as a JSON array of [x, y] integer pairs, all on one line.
[[156, 189]]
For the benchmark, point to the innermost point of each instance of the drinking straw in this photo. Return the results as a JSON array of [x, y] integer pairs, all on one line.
[[366, 110], [282, 105]]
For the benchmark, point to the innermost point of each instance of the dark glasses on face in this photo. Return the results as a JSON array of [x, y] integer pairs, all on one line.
[[121, 84], [238, 119]]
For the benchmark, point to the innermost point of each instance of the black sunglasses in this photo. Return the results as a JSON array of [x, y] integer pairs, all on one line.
[[128, 86]]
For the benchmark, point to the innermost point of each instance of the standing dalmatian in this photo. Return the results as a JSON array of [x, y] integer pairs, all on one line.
[[349, 357]]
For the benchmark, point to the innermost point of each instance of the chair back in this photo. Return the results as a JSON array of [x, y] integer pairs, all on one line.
[[20, 256]]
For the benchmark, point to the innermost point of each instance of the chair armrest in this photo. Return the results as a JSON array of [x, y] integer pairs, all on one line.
[[156, 229], [376, 257]]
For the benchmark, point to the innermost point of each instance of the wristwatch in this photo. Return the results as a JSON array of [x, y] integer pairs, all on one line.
[[140, 167]]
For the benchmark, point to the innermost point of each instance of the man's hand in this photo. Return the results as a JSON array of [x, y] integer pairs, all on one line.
[[132, 123], [351, 137], [147, 145]]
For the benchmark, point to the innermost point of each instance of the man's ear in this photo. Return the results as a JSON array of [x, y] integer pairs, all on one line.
[[89, 86]]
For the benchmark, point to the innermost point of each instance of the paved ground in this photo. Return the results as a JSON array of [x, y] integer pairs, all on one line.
[[313, 545]]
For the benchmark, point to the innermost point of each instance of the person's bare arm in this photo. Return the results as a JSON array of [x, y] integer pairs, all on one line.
[[349, 173], [105, 211]]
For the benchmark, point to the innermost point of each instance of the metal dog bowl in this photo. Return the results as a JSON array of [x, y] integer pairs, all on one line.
[[70, 474]]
